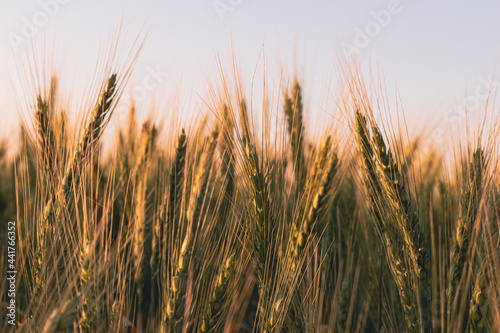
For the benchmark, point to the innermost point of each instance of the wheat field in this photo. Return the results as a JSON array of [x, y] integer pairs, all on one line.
[[238, 222]]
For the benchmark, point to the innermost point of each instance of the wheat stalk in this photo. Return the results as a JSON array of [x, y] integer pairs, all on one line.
[[148, 135], [392, 235], [100, 116], [176, 305], [469, 205], [175, 188], [227, 165], [395, 185]]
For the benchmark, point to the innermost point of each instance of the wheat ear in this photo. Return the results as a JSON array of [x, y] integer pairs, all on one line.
[[46, 134], [395, 185], [317, 206], [213, 314], [88, 312], [479, 300], [294, 114]]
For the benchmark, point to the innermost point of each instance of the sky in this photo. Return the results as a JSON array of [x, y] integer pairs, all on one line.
[[430, 51]]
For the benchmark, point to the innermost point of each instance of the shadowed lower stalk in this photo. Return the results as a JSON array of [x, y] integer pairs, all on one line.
[[62, 318]]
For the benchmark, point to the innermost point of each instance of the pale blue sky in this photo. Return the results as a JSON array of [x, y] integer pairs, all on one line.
[[431, 49]]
